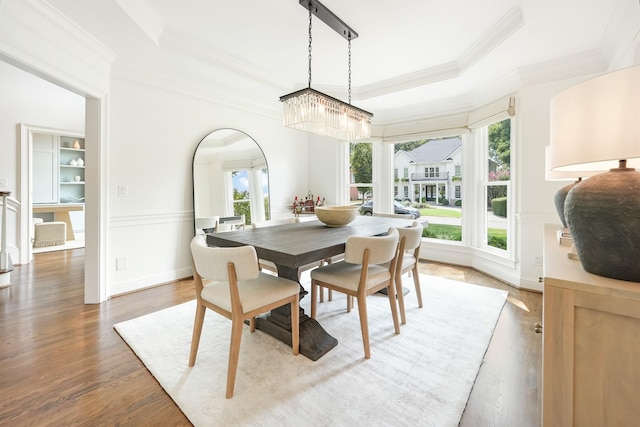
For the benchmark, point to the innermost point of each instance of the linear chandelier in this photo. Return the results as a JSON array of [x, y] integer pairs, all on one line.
[[313, 111]]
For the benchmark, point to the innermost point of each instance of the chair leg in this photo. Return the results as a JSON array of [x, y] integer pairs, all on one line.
[[197, 331], [321, 291], [416, 282], [349, 303], [234, 353], [252, 325], [295, 325], [400, 294], [394, 308], [364, 324]]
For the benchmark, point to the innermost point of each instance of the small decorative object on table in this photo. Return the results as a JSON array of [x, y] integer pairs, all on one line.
[[306, 205]]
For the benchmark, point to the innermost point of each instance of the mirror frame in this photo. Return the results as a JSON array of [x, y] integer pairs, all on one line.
[[193, 177]]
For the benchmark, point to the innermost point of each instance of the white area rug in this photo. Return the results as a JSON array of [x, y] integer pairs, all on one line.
[[421, 377]]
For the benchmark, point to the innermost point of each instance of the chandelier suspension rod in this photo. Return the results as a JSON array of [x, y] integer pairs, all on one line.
[[329, 18]]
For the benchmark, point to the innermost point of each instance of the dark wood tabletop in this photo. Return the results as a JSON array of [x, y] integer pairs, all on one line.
[[298, 244]]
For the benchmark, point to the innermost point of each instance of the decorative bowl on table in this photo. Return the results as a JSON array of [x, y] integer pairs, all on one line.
[[336, 216]]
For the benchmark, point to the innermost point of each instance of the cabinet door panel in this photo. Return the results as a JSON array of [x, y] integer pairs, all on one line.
[[45, 169]]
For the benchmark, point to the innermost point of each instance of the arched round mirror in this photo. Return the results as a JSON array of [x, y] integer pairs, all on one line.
[[230, 182]]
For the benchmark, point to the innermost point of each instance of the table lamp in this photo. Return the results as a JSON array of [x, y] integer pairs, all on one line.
[[596, 125], [554, 175]]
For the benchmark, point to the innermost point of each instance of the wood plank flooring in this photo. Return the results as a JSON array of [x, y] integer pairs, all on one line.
[[62, 363]]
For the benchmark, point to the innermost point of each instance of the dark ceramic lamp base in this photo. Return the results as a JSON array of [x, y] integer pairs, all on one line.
[[603, 214]]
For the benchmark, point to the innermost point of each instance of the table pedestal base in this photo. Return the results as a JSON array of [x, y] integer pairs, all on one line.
[[315, 342]]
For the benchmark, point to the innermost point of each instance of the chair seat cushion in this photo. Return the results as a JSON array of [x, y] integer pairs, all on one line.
[[347, 275], [254, 293]]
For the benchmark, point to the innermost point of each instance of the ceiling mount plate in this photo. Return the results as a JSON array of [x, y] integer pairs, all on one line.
[[329, 18]]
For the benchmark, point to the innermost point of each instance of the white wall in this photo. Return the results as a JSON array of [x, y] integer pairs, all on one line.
[[153, 134]]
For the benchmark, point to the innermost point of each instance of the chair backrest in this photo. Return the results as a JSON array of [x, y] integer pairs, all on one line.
[[211, 262], [412, 236], [270, 222], [381, 248]]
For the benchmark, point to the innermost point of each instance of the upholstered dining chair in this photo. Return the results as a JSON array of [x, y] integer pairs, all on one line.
[[227, 281], [360, 275], [409, 252]]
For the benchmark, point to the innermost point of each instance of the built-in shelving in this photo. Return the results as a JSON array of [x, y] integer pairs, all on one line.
[[71, 170]]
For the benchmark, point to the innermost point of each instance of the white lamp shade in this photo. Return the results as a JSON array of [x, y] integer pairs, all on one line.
[[597, 123], [555, 175]]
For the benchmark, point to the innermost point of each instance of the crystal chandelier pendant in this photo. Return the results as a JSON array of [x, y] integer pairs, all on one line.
[[313, 111]]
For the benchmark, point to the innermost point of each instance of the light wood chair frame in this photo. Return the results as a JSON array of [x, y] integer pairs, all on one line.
[[408, 242], [237, 316]]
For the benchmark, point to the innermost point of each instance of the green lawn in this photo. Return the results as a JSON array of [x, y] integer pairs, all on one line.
[[443, 232], [497, 237], [448, 213]]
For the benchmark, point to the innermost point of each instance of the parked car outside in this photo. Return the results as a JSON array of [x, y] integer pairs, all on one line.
[[399, 208]]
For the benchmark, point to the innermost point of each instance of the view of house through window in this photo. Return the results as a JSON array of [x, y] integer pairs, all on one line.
[[431, 182]]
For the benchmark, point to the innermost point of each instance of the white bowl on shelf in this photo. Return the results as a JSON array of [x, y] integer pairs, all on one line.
[[336, 216]]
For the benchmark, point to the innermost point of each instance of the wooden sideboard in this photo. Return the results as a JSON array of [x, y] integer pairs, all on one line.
[[591, 344]]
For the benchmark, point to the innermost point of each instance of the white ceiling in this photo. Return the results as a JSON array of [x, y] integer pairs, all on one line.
[[413, 58]]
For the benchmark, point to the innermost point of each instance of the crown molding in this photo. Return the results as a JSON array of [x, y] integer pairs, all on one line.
[[565, 67], [37, 37], [499, 32], [214, 89], [206, 53]]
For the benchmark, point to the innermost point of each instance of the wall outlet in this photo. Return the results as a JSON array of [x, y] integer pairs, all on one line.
[[121, 263], [4, 182], [537, 261]]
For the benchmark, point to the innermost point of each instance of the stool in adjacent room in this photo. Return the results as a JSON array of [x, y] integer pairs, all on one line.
[[49, 234]]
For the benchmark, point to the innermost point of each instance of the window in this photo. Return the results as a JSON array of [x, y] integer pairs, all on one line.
[[406, 173], [361, 183], [395, 173], [432, 172], [458, 170], [498, 184], [457, 192]]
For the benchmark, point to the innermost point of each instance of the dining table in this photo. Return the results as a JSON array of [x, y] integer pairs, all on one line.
[[291, 246]]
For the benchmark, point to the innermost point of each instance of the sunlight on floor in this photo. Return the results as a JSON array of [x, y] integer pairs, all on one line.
[[515, 301]]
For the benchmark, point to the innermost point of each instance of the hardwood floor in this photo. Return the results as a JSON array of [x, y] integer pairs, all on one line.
[[62, 363]]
